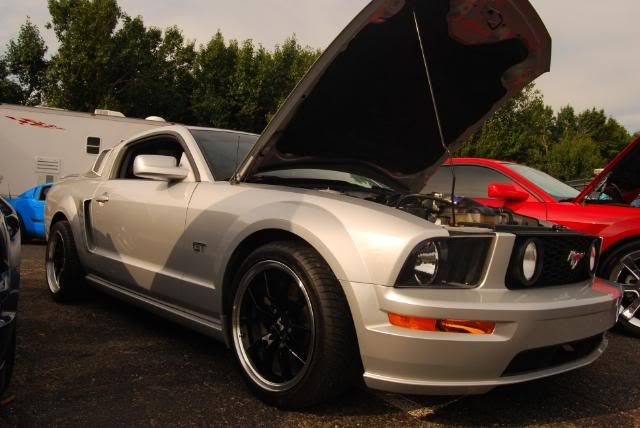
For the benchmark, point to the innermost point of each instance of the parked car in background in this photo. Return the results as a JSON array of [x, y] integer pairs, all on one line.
[[9, 289], [313, 257], [605, 208], [30, 209]]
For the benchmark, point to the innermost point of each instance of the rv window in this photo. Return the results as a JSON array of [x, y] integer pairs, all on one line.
[[100, 161], [93, 145]]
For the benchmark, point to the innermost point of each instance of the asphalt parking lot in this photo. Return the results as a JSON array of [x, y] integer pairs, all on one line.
[[105, 363]]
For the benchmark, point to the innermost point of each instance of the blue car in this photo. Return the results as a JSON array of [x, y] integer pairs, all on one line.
[[30, 208]]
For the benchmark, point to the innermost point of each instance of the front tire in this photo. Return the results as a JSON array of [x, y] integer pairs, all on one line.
[[63, 271], [623, 267], [291, 327]]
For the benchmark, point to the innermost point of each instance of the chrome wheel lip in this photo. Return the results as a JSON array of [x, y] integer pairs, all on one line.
[[248, 365], [625, 271], [52, 268]]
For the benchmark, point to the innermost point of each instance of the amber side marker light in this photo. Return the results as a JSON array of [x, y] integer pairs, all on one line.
[[445, 325]]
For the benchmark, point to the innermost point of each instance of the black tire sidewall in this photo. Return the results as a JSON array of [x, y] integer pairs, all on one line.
[[297, 396], [72, 278]]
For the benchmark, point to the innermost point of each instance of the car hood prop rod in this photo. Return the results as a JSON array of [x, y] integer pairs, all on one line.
[[437, 115]]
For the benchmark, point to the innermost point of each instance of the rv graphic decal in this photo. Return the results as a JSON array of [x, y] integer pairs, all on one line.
[[31, 122]]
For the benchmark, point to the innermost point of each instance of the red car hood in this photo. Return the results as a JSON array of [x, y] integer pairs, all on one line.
[[365, 107], [622, 176]]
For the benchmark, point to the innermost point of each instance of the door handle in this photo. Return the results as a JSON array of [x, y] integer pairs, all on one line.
[[102, 199]]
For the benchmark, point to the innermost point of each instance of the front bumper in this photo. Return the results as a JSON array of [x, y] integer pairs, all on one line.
[[418, 362]]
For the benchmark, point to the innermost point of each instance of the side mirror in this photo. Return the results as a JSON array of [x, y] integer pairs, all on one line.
[[507, 192], [156, 167]]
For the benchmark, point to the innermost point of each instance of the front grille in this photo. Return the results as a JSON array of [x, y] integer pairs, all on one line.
[[556, 268], [552, 356]]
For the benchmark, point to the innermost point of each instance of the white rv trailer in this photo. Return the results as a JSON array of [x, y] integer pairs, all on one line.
[[40, 145]]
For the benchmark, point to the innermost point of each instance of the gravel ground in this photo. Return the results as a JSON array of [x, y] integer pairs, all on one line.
[[106, 363]]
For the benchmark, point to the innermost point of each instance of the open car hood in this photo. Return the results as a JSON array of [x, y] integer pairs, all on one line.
[[621, 177], [365, 107]]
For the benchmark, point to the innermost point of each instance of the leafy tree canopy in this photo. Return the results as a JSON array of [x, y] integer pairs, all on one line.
[[564, 144], [25, 61]]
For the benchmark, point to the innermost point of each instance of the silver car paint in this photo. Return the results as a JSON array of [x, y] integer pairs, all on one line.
[[148, 258]]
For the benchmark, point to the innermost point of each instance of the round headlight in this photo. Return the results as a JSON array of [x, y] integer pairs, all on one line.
[[426, 263], [530, 260], [593, 257]]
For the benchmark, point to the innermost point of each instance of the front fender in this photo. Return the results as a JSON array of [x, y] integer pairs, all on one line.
[[620, 231], [361, 241]]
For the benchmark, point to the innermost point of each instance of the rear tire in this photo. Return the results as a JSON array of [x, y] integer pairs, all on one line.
[[291, 327], [623, 267], [63, 271]]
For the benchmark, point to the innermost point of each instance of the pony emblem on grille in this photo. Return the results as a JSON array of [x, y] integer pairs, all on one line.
[[574, 258]]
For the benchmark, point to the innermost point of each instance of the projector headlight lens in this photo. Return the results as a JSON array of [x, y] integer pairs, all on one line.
[[426, 263]]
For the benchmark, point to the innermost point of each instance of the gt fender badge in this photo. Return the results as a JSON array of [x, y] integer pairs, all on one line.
[[199, 247], [574, 258]]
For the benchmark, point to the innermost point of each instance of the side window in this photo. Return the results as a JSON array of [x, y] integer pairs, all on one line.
[[471, 181], [164, 146], [43, 193], [100, 161], [93, 145]]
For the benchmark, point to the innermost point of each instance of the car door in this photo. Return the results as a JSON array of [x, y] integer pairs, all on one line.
[[137, 224]]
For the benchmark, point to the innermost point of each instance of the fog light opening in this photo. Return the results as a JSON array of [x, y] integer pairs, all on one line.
[[442, 325]]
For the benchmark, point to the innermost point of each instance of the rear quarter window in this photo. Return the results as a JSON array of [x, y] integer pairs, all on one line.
[[101, 160]]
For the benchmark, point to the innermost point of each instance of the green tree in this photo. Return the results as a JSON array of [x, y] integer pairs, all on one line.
[[574, 156], [10, 91], [214, 68], [81, 72], [25, 61], [608, 134], [290, 62], [520, 131], [564, 123]]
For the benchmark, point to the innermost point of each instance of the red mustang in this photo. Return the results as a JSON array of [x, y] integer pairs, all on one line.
[[606, 208]]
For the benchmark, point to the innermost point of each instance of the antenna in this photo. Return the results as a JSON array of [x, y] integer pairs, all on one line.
[[437, 114]]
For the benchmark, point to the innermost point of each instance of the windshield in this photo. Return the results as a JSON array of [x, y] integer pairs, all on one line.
[[554, 187], [223, 150], [321, 175]]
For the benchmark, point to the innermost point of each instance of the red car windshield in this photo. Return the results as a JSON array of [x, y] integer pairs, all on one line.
[[554, 187]]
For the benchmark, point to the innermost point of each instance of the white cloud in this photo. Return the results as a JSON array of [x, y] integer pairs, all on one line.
[[595, 61]]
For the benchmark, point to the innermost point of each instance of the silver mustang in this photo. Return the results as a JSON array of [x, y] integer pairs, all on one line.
[[309, 249]]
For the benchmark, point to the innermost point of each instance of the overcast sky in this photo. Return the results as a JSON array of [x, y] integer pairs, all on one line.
[[596, 60]]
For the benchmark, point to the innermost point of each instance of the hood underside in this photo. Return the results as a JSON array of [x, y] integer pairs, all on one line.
[[620, 179], [366, 106]]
